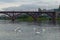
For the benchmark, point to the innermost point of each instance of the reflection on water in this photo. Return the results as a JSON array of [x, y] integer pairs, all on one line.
[[29, 31]]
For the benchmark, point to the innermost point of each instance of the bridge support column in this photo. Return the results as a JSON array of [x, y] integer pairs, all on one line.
[[13, 18], [35, 19], [54, 18]]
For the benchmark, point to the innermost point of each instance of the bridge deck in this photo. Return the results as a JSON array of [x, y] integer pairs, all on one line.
[[27, 12]]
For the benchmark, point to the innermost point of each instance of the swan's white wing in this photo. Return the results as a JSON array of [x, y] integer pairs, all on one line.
[[19, 30], [43, 30], [38, 32]]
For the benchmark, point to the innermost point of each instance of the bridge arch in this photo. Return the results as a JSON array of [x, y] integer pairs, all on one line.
[[4, 16], [28, 14], [47, 15], [7, 15]]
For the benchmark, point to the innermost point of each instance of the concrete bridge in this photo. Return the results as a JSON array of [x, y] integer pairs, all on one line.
[[35, 14]]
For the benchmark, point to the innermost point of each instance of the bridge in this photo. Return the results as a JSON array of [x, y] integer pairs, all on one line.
[[35, 14]]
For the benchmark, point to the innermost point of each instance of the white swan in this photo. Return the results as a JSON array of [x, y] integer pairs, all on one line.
[[43, 30], [36, 31], [18, 29]]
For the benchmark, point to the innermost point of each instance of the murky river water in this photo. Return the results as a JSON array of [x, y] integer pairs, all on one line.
[[45, 31]]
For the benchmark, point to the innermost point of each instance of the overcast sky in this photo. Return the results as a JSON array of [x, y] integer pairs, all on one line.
[[16, 3]]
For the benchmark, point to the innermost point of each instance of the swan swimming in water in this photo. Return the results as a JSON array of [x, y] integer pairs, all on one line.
[[43, 30], [18, 29], [36, 31]]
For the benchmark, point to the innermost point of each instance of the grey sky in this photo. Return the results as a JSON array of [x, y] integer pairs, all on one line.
[[17, 3]]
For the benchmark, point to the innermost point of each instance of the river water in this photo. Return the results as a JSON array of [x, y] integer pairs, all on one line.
[[47, 31]]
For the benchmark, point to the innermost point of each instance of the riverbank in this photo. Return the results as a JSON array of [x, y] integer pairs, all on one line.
[[30, 19]]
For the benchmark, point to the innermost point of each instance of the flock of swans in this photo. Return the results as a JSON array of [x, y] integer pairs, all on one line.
[[18, 29]]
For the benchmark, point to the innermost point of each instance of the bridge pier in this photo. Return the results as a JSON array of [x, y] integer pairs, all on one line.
[[13, 18], [35, 19], [54, 18]]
